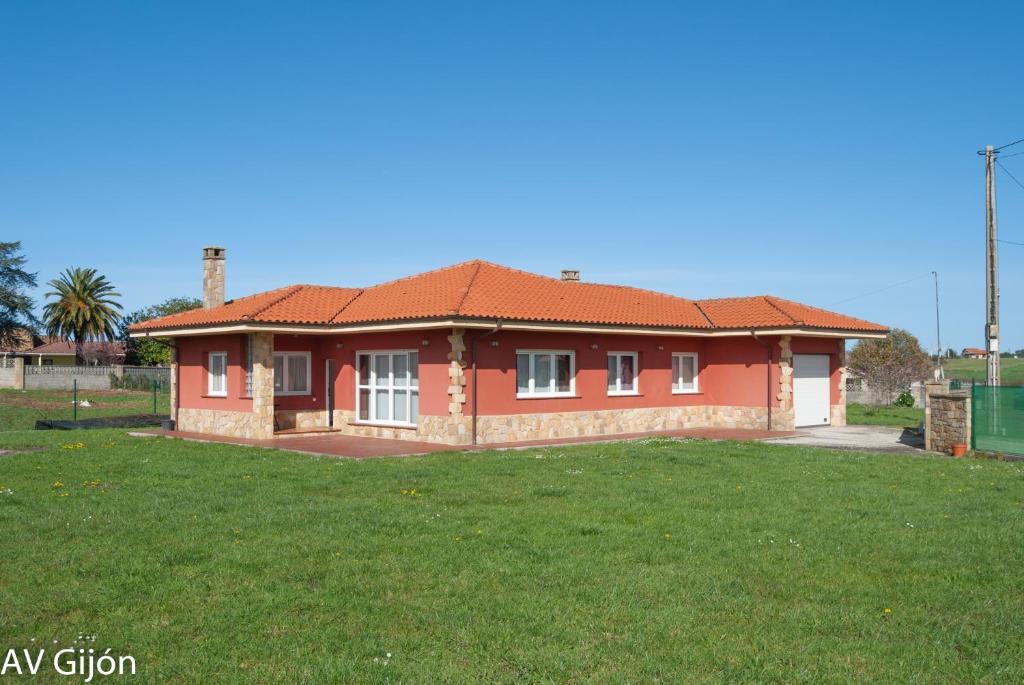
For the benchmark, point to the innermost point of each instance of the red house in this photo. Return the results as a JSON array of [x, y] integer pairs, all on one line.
[[478, 352]]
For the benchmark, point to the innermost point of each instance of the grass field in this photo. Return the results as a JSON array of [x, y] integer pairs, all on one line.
[[658, 561], [867, 414], [1010, 370], [20, 409]]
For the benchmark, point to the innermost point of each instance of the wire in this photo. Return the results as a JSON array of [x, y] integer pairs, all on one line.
[[1007, 171], [1009, 242], [1008, 145], [888, 287], [1015, 154]]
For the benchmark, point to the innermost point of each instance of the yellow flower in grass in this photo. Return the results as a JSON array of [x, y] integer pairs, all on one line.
[[57, 484], [887, 611]]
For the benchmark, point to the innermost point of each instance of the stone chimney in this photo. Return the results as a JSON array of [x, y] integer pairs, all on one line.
[[213, 276], [570, 274]]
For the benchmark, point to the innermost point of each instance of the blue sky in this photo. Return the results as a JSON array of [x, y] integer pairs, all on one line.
[[815, 151]]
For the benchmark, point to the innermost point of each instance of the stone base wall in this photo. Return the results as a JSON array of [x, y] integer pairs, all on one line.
[[947, 421], [838, 417], [458, 430], [304, 419], [783, 419], [234, 424], [516, 427]]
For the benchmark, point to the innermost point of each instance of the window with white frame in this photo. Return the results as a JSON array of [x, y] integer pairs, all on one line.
[[388, 387], [684, 372], [545, 373], [622, 370], [249, 339], [217, 374], [291, 373]]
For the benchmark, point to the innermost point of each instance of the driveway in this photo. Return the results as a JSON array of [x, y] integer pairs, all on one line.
[[863, 438]]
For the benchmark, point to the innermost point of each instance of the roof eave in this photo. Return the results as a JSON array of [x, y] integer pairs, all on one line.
[[486, 323]]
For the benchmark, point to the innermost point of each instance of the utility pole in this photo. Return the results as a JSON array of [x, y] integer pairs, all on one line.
[[938, 329], [991, 270]]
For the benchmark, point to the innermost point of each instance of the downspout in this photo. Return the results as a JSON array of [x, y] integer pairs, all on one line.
[[768, 346], [472, 352]]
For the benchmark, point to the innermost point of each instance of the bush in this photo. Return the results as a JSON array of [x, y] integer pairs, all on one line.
[[905, 399]]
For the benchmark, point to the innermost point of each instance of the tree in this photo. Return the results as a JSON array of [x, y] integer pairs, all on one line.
[[102, 354], [84, 308], [152, 351], [890, 364], [16, 317]]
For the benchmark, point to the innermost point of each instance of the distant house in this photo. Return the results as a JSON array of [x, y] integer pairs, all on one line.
[[62, 353], [26, 341], [974, 353]]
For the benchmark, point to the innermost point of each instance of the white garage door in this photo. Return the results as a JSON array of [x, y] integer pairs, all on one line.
[[811, 389]]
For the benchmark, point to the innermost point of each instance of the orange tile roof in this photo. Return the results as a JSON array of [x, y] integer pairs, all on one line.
[[479, 289], [767, 311]]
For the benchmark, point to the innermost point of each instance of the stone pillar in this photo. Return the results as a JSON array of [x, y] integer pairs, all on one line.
[[456, 373], [262, 426], [174, 382], [782, 416], [838, 417], [19, 373], [947, 417]]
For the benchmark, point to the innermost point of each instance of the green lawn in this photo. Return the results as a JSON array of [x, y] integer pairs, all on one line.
[[653, 561], [907, 417], [20, 409], [1011, 371]]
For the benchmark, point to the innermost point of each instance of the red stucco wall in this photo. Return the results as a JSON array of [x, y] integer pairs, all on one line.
[[731, 370], [193, 353]]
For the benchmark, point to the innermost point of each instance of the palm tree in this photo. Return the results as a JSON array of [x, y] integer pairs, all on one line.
[[83, 310]]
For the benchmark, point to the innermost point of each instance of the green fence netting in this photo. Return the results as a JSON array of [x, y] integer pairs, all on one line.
[[997, 419]]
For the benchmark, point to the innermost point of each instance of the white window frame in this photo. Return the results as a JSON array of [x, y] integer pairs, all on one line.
[[677, 382], [533, 393], [390, 387], [619, 392], [209, 375], [284, 373]]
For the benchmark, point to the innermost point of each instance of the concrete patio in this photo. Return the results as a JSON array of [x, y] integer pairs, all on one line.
[[860, 438]]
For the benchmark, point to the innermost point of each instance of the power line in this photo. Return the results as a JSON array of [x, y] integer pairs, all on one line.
[[1008, 242], [1002, 147], [880, 290], [1007, 172]]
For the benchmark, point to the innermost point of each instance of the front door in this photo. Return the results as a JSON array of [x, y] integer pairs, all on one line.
[[811, 389], [329, 392]]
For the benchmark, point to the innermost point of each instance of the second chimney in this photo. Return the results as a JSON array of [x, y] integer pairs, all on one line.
[[570, 274], [213, 276]]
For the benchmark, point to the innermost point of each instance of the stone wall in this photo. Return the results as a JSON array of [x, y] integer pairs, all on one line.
[[783, 416], [838, 417], [12, 373], [947, 418], [516, 427], [263, 384], [234, 424], [64, 377]]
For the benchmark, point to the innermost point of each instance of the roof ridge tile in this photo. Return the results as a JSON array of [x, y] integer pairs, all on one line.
[[770, 301], [291, 290], [469, 286]]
